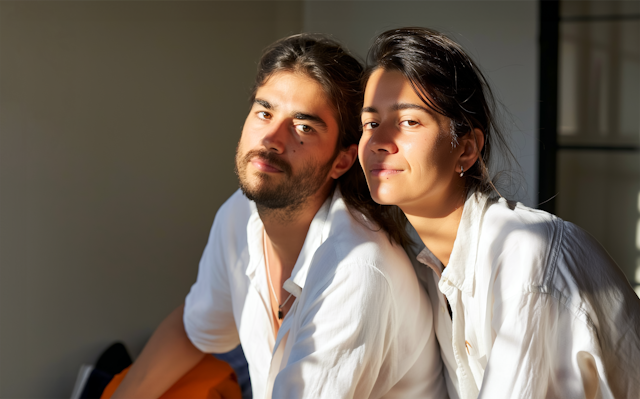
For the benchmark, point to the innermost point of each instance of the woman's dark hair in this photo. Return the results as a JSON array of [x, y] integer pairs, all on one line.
[[449, 82], [340, 75]]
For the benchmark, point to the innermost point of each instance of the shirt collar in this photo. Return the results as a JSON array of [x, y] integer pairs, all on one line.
[[312, 242], [316, 235], [460, 272], [428, 258]]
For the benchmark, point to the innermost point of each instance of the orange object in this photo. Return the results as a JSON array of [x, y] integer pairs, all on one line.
[[209, 379]]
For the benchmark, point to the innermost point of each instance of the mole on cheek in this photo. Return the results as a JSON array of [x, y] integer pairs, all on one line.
[[301, 143]]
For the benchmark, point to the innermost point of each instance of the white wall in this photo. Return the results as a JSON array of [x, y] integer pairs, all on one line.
[[500, 35], [118, 126]]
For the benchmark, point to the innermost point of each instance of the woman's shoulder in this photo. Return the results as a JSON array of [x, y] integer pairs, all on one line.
[[543, 249], [517, 242], [514, 221]]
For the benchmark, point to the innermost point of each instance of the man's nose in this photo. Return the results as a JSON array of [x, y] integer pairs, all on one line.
[[276, 134]]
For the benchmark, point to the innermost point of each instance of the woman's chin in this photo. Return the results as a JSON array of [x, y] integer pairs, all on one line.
[[383, 198]]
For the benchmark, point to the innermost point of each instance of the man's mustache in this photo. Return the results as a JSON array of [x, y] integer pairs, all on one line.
[[270, 158]]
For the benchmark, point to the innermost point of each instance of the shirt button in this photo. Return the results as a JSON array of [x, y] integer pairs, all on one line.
[[442, 309]]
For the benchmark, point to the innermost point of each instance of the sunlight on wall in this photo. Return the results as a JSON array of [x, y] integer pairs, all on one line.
[[568, 117], [637, 276], [638, 235]]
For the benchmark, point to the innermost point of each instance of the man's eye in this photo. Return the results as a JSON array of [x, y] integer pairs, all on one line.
[[304, 128], [409, 123], [370, 125], [264, 115]]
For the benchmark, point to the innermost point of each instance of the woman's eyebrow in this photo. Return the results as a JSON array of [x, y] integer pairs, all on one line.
[[369, 109], [402, 106], [399, 107]]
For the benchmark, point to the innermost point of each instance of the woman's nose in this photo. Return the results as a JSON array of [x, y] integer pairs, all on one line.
[[382, 140]]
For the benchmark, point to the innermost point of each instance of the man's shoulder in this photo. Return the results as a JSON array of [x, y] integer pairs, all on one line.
[[231, 223], [357, 261], [236, 210], [355, 245], [237, 203], [353, 237]]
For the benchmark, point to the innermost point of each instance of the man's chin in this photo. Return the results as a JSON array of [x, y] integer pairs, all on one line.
[[264, 196], [272, 201], [256, 186]]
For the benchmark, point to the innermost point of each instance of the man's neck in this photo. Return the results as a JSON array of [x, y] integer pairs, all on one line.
[[287, 230]]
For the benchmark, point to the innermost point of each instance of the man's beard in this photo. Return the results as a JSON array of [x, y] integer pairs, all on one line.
[[289, 194]]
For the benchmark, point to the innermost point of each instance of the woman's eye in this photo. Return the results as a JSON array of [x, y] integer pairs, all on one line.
[[370, 125], [304, 128], [409, 123], [264, 115]]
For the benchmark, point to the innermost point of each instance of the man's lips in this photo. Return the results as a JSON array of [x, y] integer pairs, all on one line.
[[264, 166]]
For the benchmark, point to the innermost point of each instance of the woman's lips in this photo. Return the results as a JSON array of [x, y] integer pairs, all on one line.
[[264, 166], [384, 171]]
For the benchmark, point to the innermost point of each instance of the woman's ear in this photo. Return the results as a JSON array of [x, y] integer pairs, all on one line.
[[472, 145], [343, 161]]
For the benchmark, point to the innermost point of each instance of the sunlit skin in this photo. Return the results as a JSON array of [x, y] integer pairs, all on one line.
[[292, 118], [408, 158]]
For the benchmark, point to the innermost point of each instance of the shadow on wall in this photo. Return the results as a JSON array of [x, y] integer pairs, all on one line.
[[119, 123]]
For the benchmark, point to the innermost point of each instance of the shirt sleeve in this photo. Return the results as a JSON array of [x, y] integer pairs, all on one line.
[[345, 343], [533, 355], [208, 314], [547, 348], [561, 319]]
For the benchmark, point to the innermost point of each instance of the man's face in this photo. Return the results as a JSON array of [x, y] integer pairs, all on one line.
[[288, 142]]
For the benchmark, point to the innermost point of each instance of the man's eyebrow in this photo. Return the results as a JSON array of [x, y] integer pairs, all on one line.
[[264, 103], [295, 115], [309, 117]]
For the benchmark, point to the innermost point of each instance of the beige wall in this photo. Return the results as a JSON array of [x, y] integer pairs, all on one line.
[[118, 125]]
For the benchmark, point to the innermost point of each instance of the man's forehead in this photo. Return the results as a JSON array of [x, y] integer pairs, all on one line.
[[295, 90], [282, 80]]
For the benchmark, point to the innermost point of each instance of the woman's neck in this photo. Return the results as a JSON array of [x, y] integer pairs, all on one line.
[[438, 230]]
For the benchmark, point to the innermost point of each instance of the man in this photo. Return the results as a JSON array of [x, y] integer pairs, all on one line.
[[297, 268]]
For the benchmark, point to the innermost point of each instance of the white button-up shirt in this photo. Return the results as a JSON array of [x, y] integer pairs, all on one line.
[[539, 309], [361, 324]]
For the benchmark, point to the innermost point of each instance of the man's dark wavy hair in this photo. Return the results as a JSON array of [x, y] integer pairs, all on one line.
[[340, 75]]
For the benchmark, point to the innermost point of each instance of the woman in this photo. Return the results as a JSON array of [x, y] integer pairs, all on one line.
[[527, 305]]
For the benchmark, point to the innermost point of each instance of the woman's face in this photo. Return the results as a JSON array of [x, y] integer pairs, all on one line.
[[406, 149]]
